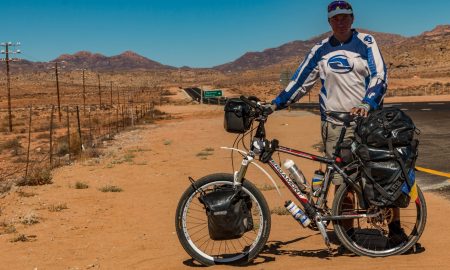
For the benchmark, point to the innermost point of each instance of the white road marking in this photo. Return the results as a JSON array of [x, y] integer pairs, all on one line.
[[436, 103], [426, 109]]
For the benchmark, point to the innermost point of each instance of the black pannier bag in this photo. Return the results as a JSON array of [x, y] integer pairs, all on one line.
[[388, 175], [388, 151], [229, 213], [382, 125], [237, 116]]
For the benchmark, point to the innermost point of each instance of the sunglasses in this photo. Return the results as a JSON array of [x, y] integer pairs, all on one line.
[[339, 5]]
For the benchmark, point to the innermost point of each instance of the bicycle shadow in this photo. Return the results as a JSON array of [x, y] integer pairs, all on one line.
[[276, 248]]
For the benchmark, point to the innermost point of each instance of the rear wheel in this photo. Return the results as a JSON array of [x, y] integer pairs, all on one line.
[[192, 225], [391, 231]]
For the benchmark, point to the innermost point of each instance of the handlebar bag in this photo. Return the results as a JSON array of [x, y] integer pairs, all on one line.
[[237, 116], [228, 211]]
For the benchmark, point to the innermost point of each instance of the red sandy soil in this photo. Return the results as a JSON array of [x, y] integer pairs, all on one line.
[[134, 229]]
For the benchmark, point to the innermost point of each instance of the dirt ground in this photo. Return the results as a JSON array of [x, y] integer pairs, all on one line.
[[134, 229]]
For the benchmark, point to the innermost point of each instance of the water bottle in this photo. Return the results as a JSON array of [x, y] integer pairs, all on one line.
[[296, 174], [297, 213], [317, 182]]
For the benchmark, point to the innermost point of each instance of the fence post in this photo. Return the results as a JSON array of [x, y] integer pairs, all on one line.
[[79, 130], [123, 118], [29, 142], [90, 128], [51, 137], [68, 132]]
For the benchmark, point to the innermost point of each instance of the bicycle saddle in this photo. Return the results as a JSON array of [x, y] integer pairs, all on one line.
[[344, 117]]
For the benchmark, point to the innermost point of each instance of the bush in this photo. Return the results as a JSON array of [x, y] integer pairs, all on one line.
[[81, 185], [11, 144], [109, 188], [37, 177]]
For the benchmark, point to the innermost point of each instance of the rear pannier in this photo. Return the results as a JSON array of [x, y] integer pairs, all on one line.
[[237, 116], [386, 147]]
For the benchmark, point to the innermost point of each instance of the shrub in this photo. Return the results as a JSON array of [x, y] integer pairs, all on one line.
[[109, 188], [37, 177], [30, 219], [81, 185], [11, 144], [20, 238], [57, 207]]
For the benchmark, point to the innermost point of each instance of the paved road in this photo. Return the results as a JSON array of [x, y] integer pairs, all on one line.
[[433, 120]]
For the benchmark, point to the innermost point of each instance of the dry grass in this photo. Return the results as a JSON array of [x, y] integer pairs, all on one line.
[[58, 207], [109, 188], [81, 185], [30, 219], [12, 144], [38, 176], [279, 210]]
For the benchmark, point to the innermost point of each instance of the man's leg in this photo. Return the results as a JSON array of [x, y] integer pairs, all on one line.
[[330, 137]]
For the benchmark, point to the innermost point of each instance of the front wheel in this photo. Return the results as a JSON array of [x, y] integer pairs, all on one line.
[[389, 231], [192, 224]]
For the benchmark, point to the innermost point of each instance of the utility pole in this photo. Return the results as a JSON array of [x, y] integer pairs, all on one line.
[[57, 91], [84, 92], [111, 95], [99, 91], [8, 80]]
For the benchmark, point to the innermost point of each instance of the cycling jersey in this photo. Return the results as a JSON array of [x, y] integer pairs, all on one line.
[[351, 72]]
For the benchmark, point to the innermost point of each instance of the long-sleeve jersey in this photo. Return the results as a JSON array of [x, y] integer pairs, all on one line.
[[351, 73]]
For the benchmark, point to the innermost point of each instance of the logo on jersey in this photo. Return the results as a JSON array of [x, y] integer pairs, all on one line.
[[368, 39], [340, 64]]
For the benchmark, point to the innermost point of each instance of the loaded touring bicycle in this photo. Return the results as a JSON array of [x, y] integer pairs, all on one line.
[[223, 218]]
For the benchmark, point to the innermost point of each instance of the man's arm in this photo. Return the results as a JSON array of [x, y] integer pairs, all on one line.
[[378, 76], [301, 83]]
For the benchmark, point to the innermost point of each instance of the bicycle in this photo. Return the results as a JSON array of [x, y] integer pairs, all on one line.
[[368, 234]]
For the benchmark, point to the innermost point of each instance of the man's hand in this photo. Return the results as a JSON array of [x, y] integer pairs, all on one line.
[[361, 110], [268, 109]]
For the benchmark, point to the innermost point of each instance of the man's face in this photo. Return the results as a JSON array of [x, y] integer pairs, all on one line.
[[341, 23]]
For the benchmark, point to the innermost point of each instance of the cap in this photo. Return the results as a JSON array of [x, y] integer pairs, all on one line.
[[339, 7]]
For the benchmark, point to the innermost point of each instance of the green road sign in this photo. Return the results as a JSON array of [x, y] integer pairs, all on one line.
[[212, 93]]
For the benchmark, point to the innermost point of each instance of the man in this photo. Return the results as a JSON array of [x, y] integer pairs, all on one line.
[[353, 75], [351, 69]]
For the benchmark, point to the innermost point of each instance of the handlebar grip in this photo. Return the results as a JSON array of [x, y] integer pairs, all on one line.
[[249, 102]]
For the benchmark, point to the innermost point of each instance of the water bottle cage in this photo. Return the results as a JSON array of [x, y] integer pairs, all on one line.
[[269, 149]]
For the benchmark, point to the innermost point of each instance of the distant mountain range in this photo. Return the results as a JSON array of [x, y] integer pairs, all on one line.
[[431, 46]]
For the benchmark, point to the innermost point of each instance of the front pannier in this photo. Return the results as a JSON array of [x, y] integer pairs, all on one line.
[[237, 116], [229, 213]]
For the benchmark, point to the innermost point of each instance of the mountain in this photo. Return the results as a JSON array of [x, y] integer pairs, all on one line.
[[295, 50], [427, 54], [125, 61]]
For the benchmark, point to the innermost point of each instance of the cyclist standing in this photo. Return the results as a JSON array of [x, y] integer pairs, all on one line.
[[353, 75]]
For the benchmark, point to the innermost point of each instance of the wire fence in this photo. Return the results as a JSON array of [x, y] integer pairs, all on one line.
[[42, 141]]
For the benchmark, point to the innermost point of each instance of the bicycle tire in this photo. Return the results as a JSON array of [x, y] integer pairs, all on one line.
[[355, 243], [194, 249]]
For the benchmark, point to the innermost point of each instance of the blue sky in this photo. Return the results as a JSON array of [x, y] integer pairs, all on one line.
[[196, 33]]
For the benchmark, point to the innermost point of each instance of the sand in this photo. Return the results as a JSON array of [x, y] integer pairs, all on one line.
[[134, 229]]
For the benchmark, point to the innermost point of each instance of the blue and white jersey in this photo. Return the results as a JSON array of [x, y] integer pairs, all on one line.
[[351, 73]]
